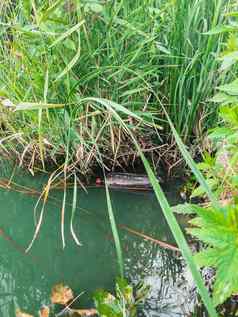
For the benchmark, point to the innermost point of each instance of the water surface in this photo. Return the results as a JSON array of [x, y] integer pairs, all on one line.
[[26, 279]]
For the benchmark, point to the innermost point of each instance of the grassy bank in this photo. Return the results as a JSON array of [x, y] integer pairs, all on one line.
[[139, 54], [89, 82]]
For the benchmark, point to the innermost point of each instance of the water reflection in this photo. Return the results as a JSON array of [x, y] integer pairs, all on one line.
[[172, 290]]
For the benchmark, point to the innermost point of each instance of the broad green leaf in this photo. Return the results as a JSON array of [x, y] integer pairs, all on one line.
[[70, 45], [222, 29], [232, 14], [220, 133], [229, 60], [230, 114], [123, 304], [200, 190], [220, 232], [224, 98], [231, 89], [186, 209]]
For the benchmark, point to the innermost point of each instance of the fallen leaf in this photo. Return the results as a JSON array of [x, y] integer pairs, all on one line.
[[61, 294], [84, 312], [19, 313], [44, 312]]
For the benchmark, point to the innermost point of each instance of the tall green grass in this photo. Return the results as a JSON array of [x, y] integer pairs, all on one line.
[[54, 53], [57, 55], [192, 72]]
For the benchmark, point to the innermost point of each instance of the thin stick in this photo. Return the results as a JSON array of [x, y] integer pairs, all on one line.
[[15, 245], [68, 306], [156, 241]]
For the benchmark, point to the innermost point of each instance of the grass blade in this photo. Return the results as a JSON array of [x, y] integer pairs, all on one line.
[[179, 237], [186, 155], [22, 106], [73, 213], [71, 64], [67, 34], [45, 15], [114, 231], [63, 215]]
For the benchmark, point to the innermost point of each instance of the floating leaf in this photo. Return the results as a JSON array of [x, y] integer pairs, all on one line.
[[20, 313], [61, 294]]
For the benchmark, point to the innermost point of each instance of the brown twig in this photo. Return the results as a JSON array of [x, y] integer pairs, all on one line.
[[148, 238]]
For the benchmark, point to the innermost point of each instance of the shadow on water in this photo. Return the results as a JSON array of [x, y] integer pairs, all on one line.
[[26, 279]]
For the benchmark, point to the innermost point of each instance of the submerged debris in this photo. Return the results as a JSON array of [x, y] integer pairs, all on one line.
[[128, 180]]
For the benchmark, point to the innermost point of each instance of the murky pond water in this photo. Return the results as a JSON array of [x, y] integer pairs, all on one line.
[[26, 279]]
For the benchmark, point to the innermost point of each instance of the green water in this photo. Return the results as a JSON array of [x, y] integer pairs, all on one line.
[[26, 279]]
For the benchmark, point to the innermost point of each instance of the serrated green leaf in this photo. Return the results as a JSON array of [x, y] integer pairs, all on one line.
[[224, 98], [206, 258], [227, 274], [200, 191], [184, 209], [230, 114], [220, 232], [220, 133], [203, 166]]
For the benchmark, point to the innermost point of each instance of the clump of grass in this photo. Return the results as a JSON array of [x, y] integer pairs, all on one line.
[[191, 67], [54, 53]]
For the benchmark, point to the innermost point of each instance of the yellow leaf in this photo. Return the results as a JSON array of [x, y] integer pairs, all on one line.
[[61, 294], [19, 313]]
